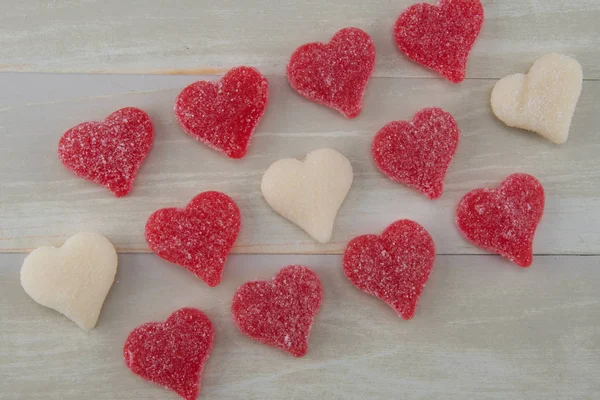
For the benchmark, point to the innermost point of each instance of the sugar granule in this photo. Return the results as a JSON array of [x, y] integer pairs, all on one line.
[[198, 237], [280, 312], [334, 74], [441, 36], [418, 153], [172, 354], [393, 267], [504, 220], [109, 153], [224, 114]]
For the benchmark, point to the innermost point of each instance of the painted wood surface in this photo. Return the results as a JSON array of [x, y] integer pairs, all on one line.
[[205, 37], [484, 329], [42, 203]]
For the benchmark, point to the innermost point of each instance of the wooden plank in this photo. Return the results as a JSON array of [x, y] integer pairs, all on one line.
[[42, 203], [484, 329], [206, 37]]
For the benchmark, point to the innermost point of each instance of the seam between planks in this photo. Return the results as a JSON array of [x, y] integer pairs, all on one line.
[[321, 253], [214, 72]]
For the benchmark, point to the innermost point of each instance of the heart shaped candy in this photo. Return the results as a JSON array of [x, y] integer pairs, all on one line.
[[198, 237], [542, 101], [418, 153], [334, 74], [172, 354], [504, 220], [309, 193], [224, 114], [73, 279], [109, 153], [394, 266], [441, 36], [280, 312]]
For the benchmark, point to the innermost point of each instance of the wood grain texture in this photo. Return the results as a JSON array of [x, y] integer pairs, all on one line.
[[208, 37], [484, 329], [42, 203]]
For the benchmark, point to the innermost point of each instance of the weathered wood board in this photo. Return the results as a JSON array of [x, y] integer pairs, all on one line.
[[42, 203], [484, 329], [204, 37]]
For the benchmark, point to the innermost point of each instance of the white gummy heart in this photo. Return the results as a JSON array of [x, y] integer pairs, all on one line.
[[542, 101], [73, 279], [310, 192]]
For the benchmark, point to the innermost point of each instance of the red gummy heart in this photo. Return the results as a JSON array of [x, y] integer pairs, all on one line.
[[504, 220], [440, 37], [280, 312], [334, 74], [224, 114], [394, 266], [198, 237], [418, 153], [109, 153], [172, 354]]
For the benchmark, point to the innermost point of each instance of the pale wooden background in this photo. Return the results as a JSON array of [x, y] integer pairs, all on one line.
[[484, 329]]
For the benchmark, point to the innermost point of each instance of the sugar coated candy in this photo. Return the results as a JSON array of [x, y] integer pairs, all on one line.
[[173, 353], [224, 114], [280, 312], [393, 266], [109, 153], [504, 220], [310, 192], [418, 153], [73, 279], [441, 36], [542, 101], [334, 74], [198, 237]]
